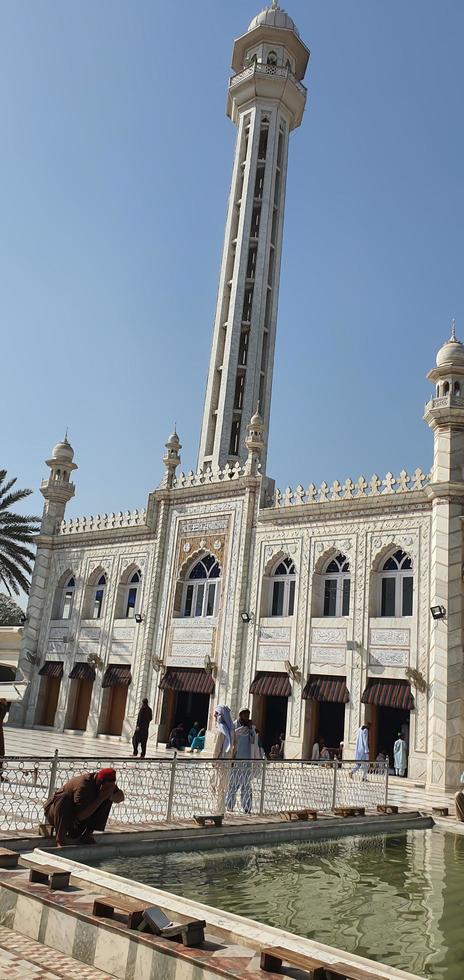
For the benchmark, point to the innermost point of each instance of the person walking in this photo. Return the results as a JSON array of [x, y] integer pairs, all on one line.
[[224, 745], [82, 805], [140, 736], [361, 752], [4, 708], [245, 738], [400, 756]]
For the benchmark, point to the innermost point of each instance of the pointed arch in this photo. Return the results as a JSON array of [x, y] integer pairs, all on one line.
[[63, 600], [199, 585], [279, 586], [129, 592], [95, 594]]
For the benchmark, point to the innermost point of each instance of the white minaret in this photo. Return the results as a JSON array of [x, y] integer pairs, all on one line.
[[444, 413], [266, 101]]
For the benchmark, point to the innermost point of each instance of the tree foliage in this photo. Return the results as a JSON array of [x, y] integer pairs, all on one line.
[[16, 533], [10, 612]]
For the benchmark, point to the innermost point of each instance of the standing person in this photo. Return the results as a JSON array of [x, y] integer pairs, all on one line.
[[82, 805], [245, 738], [4, 708], [361, 752], [222, 751], [400, 755], [316, 752], [459, 800], [140, 736]]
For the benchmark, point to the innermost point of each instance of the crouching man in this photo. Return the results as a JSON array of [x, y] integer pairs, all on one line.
[[82, 805]]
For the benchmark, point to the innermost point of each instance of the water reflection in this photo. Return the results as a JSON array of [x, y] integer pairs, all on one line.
[[397, 898]]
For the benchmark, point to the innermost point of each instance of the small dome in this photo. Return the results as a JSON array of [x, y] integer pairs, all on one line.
[[452, 352], [174, 440], [274, 17], [64, 451], [256, 421]]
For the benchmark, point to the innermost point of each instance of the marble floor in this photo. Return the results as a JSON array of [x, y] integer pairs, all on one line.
[[24, 959], [27, 742]]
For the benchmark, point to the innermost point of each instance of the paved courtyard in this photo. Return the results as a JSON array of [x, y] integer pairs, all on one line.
[[27, 742]]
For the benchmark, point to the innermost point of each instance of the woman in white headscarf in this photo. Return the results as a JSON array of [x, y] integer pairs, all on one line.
[[225, 732], [222, 751]]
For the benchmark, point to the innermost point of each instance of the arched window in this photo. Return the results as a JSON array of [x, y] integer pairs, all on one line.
[[337, 587], [98, 597], [67, 599], [283, 588], [396, 586], [132, 592], [201, 589], [457, 388], [446, 388], [272, 59]]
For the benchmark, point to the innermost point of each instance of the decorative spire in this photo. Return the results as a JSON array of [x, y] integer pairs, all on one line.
[[171, 458], [453, 329]]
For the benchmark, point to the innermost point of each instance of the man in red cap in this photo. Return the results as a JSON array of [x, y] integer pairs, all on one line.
[[82, 805]]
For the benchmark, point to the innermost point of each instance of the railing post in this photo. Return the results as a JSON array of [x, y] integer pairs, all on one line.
[[53, 772], [334, 790], [171, 787], [263, 786], [387, 766]]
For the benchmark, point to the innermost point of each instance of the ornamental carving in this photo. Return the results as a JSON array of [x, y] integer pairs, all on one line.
[[282, 633], [321, 635], [399, 638], [389, 658], [266, 652]]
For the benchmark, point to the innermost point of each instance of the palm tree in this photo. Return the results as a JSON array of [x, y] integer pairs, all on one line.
[[16, 531]]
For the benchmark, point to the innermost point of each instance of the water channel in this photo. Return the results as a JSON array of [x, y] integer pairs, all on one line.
[[395, 898]]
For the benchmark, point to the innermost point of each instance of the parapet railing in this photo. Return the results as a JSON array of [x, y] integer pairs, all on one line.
[[375, 487], [259, 69], [173, 789], [103, 522]]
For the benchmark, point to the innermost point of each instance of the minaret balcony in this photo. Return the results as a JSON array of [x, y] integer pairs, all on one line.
[[267, 81], [57, 485], [445, 409]]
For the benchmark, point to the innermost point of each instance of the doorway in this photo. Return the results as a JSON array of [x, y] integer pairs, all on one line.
[[191, 707], [80, 696], [273, 720], [113, 709], [331, 723], [386, 724], [49, 693]]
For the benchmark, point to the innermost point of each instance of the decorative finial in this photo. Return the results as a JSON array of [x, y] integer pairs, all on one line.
[[453, 329], [274, 5]]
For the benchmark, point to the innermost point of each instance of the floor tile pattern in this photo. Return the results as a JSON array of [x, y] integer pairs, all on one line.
[[23, 959]]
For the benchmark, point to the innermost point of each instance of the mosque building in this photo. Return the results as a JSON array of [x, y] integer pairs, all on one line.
[[320, 607]]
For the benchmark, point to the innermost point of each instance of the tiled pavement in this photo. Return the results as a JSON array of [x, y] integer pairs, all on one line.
[[23, 959], [28, 742]]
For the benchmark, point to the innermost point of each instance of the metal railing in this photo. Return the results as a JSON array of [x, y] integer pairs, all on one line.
[[259, 69], [173, 789]]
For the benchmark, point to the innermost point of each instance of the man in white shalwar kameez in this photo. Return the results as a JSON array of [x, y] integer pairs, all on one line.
[[361, 751], [400, 756]]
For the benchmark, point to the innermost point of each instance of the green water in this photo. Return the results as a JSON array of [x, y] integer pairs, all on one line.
[[398, 899]]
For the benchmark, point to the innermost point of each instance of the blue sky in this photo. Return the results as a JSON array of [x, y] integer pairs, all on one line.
[[114, 174]]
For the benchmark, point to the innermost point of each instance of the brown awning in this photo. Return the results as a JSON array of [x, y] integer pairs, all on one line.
[[388, 694], [195, 680], [52, 668], [82, 672], [271, 685], [117, 674], [326, 689]]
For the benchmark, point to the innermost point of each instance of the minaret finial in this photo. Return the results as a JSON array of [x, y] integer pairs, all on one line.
[[453, 329], [274, 5]]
